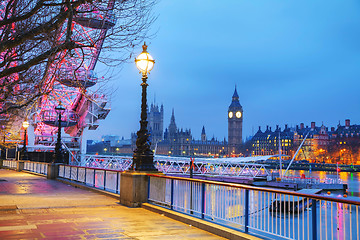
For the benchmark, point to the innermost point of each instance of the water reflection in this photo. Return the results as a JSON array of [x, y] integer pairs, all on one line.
[[350, 178]]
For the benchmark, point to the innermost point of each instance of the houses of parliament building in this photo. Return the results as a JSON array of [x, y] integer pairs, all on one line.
[[179, 142], [176, 141]]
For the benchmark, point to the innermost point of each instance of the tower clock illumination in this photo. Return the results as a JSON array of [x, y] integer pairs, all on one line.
[[238, 114], [231, 114]]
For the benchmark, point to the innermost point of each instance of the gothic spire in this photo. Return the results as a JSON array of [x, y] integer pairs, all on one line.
[[172, 120], [235, 96], [203, 130]]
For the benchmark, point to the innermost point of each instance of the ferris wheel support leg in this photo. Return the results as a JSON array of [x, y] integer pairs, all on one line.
[[83, 146]]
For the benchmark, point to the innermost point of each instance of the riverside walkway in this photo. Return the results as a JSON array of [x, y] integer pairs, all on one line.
[[33, 207]]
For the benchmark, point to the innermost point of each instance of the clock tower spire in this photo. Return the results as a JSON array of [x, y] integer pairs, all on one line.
[[235, 121]]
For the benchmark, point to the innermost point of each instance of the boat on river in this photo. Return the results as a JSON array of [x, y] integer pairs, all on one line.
[[286, 204]]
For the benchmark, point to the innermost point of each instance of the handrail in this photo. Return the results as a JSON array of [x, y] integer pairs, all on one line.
[[105, 169], [248, 187]]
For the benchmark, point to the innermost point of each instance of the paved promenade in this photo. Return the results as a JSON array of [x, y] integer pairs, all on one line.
[[32, 207]]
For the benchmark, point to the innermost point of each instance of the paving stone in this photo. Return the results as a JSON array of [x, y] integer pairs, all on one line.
[[49, 209]]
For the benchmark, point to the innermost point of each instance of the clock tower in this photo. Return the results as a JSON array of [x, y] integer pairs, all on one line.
[[235, 122]]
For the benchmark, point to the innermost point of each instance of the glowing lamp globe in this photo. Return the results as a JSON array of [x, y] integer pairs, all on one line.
[[144, 62], [60, 109], [25, 124]]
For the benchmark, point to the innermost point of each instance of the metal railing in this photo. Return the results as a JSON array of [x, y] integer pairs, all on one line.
[[121, 163], [36, 167], [10, 163], [219, 166], [269, 213], [105, 179], [310, 180]]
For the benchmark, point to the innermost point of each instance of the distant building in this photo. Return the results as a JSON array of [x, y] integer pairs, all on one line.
[[109, 144], [345, 143], [156, 123], [267, 142], [235, 124], [321, 145], [180, 142]]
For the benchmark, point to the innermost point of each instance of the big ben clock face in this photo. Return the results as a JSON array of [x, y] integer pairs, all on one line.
[[231, 114], [238, 114]]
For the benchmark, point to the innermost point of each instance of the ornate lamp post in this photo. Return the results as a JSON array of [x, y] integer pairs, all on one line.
[[58, 148], [143, 156], [25, 125]]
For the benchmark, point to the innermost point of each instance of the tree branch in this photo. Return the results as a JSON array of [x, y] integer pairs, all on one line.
[[40, 58]]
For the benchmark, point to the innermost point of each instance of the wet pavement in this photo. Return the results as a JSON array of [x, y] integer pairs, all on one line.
[[32, 207]]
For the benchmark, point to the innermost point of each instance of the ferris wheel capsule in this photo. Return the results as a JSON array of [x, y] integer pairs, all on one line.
[[97, 19], [68, 119], [81, 78]]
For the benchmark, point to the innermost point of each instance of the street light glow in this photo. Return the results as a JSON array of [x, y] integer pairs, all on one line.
[[25, 124], [144, 62]]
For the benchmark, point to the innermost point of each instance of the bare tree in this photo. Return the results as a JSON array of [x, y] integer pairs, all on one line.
[[42, 39]]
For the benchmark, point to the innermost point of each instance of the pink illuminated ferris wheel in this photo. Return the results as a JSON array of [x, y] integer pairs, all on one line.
[[57, 76], [71, 74]]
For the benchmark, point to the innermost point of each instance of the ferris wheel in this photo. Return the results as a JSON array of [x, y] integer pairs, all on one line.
[[71, 74]]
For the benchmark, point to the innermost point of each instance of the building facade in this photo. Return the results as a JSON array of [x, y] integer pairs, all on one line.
[[156, 123], [180, 142], [337, 145], [235, 125]]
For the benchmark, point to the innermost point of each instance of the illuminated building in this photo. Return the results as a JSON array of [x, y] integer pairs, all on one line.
[[235, 122]]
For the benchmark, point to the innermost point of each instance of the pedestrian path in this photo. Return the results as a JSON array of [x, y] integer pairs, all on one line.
[[33, 207]]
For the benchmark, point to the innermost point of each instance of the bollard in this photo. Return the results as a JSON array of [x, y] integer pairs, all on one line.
[[52, 170], [133, 188], [19, 165]]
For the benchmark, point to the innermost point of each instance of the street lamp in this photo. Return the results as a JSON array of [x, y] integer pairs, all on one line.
[[25, 125], [59, 109], [143, 156]]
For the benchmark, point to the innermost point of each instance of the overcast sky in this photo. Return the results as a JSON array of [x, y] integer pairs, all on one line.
[[292, 62]]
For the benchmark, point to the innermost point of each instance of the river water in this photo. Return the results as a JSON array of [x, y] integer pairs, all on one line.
[[352, 179], [226, 205]]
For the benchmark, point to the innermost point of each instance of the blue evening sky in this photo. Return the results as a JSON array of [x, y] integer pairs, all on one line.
[[292, 62]]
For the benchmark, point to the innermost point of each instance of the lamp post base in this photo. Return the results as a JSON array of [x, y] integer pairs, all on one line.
[[143, 162]]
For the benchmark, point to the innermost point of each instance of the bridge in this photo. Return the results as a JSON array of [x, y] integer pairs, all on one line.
[[253, 167], [221, 208]]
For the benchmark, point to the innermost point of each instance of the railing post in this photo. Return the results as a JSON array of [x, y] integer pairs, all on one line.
[[104, 179], [314, 216], [117, 182], [77, 173], [70, 173], [94, 178], [85, 176], [172, 195], [191, 197], [202, 200], [246, 214], [148, 190]]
